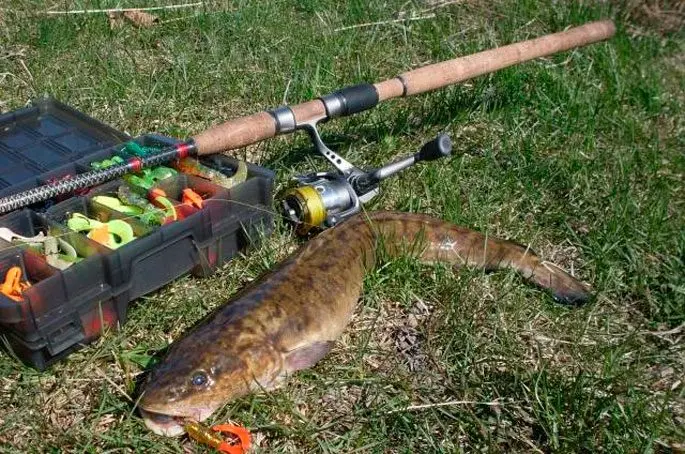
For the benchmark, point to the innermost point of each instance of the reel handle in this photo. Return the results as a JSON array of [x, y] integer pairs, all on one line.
[[440, 147]]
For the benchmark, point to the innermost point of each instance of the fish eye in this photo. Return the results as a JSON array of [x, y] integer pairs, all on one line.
[[199, 379]]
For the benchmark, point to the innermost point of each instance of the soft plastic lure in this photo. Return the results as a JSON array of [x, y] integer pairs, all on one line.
[[159, 198], [115, 204], [151, 214], [147, 178], [57, 251], [113, 234], [113, 161], [212, 436], [192, 166], [191, 198], [14, 286], [131, 203]]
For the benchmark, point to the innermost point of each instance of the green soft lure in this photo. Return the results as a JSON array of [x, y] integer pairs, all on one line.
[[114, 160], [149, 177], [117, 233], [151, 215], [192, 166], [116, 204], [135, 149]]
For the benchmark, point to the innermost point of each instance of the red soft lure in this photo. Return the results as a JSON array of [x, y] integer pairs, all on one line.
[[212, 436]]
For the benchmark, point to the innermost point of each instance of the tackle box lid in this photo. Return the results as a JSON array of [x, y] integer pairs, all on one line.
[[44, 136]]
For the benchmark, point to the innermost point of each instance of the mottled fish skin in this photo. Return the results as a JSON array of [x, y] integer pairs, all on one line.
[[289, 319]]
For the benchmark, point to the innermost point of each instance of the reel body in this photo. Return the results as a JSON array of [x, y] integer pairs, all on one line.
[[320, 201]]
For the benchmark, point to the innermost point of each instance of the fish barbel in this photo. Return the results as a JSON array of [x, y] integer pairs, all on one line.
[[290, 318]]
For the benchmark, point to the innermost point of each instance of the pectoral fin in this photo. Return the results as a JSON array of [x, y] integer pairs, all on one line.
[[306, 356]]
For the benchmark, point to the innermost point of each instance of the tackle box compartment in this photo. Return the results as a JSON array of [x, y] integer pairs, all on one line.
[[65, 308]]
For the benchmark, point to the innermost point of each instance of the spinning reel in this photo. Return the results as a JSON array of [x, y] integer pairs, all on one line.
[[323, 199]]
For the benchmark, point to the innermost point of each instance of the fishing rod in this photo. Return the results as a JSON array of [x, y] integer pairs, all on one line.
[[240, 132]]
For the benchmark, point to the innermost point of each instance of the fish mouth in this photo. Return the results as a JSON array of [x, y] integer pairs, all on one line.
[[170, 425], [161, 424]]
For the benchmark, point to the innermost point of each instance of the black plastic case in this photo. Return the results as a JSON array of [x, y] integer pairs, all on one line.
[[64, 309]]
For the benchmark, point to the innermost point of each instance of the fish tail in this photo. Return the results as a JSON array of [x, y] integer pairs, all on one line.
[[434, 240]]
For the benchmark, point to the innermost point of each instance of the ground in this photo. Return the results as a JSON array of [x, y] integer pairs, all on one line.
[[579, 155]]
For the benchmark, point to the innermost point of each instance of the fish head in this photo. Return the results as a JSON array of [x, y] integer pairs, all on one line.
[[189, 385]]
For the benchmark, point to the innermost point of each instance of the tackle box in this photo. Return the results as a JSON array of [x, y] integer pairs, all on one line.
[[64, 309]]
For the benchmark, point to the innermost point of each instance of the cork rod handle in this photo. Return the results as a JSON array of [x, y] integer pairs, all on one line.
[[457, 70], [244, 131]]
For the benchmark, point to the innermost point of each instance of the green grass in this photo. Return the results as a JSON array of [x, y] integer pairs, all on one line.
[[579, 155]]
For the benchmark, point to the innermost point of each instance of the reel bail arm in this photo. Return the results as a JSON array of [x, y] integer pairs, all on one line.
[[341, 103]]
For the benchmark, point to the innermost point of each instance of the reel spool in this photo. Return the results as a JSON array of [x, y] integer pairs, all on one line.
[[322, 200]]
